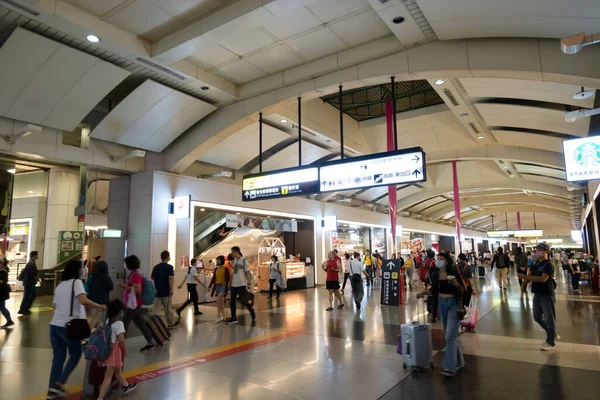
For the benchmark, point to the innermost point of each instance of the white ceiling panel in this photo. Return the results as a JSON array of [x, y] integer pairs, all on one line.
[[51, 84], [361, 28], [186, 10], [428, 203], [317, 44], [275, 59], [99, 7], [239, 72], [288, 157], [209, 54], [238, 149], [144, 19], [244, 42], [543, 171], [151, 117], [328, 11], [373, 193], [531, 140], [299, 21]]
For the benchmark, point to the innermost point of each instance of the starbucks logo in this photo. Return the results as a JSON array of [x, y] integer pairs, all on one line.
[[587, 155]]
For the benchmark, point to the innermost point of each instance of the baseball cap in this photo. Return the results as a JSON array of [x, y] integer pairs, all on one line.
[[542, 247]]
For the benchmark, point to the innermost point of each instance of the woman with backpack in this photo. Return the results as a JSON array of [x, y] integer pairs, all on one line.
[[114, 362], [134, 282], [466, 274]]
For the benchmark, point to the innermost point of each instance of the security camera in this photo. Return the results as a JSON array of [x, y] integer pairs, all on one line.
[[573, 44], [573, 116]]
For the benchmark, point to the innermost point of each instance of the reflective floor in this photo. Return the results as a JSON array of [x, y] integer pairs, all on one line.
[[297, 350]]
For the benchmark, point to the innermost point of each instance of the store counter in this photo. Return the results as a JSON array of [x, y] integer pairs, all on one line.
[[295, 276]]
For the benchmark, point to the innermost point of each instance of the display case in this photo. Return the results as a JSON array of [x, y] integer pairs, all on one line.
[[295, 270], [268, 247]]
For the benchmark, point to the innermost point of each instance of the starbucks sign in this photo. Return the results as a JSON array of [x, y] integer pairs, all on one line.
[[582, 159]]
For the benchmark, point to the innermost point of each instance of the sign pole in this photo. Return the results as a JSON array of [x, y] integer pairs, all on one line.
[[534, 224], [394, 114], [299, 131], [392, 192], [341, 124], [260, 151], [456, 204]]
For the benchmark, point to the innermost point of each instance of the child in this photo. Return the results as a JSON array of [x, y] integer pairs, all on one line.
[[114, 363], [4, 295], [220, 283]]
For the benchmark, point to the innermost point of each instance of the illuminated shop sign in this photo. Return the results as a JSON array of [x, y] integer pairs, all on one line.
[[381, 169], [500, 234], [280, 183], [582, 158]]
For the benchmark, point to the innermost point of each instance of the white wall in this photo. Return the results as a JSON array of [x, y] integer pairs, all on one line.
[[34, 208]]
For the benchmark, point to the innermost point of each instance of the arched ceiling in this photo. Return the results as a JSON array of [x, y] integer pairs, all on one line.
[[166, 65]]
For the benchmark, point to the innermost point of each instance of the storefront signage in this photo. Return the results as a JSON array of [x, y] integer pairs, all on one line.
[[110, 233], [253, 222], [528, 233], [500, 234], [577, 237], [381, 169], [390, 283], [281, 183], [69, 243], [330, 223], [582, 158], [181, 207]]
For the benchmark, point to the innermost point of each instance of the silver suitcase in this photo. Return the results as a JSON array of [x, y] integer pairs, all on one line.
[[417, 351]]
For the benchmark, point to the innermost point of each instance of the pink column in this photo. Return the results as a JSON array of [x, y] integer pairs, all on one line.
[[456, 204]]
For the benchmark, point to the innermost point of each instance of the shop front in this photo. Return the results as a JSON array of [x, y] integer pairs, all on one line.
[[350, 237]]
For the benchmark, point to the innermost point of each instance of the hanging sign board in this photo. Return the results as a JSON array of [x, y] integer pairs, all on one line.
[[381, 169], [582, 159], [110, 233], [390, 283], [281, 183], [500, 234]]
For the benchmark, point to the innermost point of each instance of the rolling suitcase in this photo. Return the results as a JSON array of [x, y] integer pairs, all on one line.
[[157, 328], [92, 380], [481, 271], [415, 346], [469, 322]]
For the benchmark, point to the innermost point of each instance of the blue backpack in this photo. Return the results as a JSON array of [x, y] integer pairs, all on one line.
[[99, 345], [148, 292]]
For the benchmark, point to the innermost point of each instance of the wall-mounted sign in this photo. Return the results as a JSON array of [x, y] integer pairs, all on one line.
[[280, 183], [252, 222], [110, 233], [523, 233], [181, 207], [381, 169], [500, 234], [582, 158], [330, 223], [69, 243]]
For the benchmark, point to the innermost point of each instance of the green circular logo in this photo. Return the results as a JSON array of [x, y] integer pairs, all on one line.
[[587, 155]]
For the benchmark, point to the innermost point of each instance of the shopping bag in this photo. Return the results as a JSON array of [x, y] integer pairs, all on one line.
[[130, 300]]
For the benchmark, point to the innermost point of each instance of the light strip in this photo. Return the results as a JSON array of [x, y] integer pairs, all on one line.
[[362, 224]]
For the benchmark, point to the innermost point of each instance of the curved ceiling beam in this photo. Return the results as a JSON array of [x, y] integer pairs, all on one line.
[[447, 59], [550, 221], [489, 211], [426, 194], [540, 202]]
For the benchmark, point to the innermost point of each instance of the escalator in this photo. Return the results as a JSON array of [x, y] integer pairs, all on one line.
[[206, 231]]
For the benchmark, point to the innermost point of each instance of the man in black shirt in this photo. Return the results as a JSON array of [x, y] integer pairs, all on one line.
[[541, 274], [30, 278]]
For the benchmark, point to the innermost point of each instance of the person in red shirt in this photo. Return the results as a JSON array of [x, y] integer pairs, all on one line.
[[332, 267]]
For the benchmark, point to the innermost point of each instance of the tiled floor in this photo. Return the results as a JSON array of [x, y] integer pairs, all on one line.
[[297, 350]]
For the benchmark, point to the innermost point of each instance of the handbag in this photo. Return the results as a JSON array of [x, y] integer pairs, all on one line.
[[130, 299], [78, 328]]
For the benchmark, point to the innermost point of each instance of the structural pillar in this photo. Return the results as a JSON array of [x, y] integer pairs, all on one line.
[[519, 226], [456, 205], [63, 197]]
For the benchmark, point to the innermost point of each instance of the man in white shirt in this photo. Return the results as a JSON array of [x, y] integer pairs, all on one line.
[[355, 271], [240, 284]]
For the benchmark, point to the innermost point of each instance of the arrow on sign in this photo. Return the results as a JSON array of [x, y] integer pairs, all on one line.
[[416, 159], [247, 194], [391, 264], [416, 173]]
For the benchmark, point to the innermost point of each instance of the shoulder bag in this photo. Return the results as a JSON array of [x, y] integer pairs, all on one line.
[[77, 328]]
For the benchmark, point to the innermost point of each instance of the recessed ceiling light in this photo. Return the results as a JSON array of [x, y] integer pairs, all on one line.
[[464, 114], [505, 167], [398, 20], [512, 176], [30, 191], [283, 121], [439, 82], [92, 38], [11, 171], [237, 213], [480, 137], [202, 209]]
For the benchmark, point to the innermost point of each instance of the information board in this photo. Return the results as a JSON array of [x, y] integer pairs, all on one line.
[[381, 169], [281, 183], [69, 243], [582, 159], [390, 283]]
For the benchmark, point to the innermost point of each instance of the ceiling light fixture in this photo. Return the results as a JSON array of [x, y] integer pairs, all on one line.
[[505, 167], [574, 44], [30, 191], [11, 170], [512, 176], [92, 38], [398, 20], [583, 94], [464, 115], [480, 137], [283, 121], [573, 116], [439, 82], [202, 209]]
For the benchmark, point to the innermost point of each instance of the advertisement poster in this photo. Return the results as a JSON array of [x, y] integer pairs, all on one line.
[[267, 224], [390, 283], [417, 242], [69, 243]]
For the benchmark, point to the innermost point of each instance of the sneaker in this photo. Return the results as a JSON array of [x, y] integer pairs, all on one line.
[[24, 312], [230, 321], [557, 337], [7, 325], [218, 321], [329, 309], [178, 314], [52, 396], [147, 347], [129, 388], [198, 313], [447, 372], [340, 306], [58, 390], [547, 347]]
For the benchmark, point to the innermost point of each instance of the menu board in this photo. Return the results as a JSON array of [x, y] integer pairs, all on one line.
[[381, 169]]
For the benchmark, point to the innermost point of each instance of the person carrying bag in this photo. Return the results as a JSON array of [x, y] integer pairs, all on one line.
[[355, 270]]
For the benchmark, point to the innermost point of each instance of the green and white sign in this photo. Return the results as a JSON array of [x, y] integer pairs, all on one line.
[[69, 243]]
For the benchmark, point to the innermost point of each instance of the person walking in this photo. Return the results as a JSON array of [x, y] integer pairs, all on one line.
[[466, 275], [575, 272], [369, 263], [501, 262], [99, 287], [521, 263], [192, 279], [451, 290], [30, 278], [163, 275], [543, 286], [69, 303], [332, 267], [134, 282], [4, 296], [274, 274], [355, 271], [240, 285], [219, 283], [410, 269], [346, 267]]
